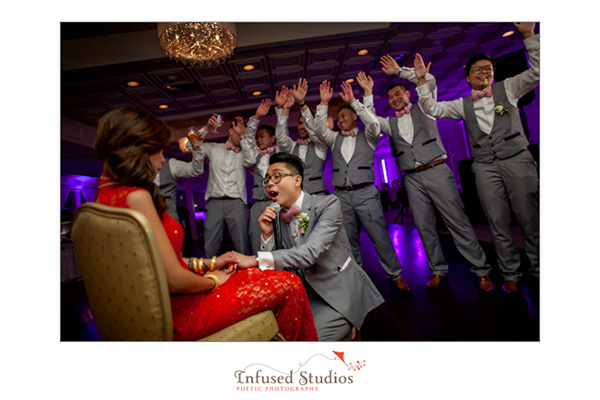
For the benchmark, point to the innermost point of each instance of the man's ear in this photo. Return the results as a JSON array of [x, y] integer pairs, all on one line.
[[298, 181]]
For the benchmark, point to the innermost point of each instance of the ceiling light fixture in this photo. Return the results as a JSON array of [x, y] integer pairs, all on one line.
[[163, 106], [198, 43], [509, 33], [248, 67], [349, 80], [363, 52], [132, 84], [257, 93]]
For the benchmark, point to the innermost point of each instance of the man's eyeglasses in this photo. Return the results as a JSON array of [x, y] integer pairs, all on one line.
[[486, 68], [275, 178]]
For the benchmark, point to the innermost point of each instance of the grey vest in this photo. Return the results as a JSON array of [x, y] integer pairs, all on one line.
[[168, 188], [506, 138], [258, 191], [360, 167], [313, 181], [426, 145]]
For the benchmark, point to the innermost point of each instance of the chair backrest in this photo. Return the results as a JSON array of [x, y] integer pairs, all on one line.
[[122, 273]]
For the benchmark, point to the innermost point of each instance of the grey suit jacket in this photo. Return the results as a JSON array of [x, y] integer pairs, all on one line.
[[325, 256]]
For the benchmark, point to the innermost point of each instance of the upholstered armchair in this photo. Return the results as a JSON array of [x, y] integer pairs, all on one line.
[[125, 281]]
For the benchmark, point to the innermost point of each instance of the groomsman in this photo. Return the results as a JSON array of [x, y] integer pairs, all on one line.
[[308, 148], [505, 171], [226, 189], [259, 142], [428, 180], [352, 154]]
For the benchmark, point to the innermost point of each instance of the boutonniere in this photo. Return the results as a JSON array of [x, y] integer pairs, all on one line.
[[500, 109], [303, 218]]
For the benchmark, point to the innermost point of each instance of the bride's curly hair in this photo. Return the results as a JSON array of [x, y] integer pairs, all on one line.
[[126, 138]]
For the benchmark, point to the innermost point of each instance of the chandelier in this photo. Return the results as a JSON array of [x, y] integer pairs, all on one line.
[[197, 43]]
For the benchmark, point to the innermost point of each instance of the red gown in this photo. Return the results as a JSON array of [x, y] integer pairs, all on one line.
[[247, 292]]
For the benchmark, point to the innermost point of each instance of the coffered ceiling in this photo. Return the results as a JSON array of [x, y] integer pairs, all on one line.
[[98, 59]]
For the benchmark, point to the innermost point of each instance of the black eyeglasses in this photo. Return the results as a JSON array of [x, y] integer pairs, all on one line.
[[486, 68], [275, 178]]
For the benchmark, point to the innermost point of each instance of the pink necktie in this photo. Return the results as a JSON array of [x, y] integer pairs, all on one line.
[[402, 112], [484, 93], [265, 151], [232, 147], [289, 214], [346, 133], [303, 142]]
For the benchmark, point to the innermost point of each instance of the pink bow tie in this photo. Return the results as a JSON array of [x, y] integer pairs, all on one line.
[[232, 147], [484, 93], [265, 151], [402, 112], [303, 142], [346, 133], [289, 214]]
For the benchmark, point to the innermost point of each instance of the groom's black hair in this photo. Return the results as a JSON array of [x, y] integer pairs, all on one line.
[[294, 163]]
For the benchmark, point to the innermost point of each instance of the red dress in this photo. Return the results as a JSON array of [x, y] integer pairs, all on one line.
[[247, 292]]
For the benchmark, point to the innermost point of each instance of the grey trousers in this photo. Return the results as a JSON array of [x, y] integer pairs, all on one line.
[[330, 324], [362, 206], [511, 184], [230, 213], [432, 189], [255, 211]]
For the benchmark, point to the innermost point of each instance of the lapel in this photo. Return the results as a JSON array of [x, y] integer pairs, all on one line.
[[307, 207]]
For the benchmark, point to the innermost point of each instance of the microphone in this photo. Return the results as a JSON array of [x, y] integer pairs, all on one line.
[[277, 225]]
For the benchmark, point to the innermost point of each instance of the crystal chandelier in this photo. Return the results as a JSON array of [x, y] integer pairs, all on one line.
[[197, 43]]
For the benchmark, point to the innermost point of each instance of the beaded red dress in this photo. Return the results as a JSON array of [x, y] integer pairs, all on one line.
[[247, 292]]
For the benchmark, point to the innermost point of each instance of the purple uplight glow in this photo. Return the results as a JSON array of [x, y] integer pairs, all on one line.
[[200, 215]]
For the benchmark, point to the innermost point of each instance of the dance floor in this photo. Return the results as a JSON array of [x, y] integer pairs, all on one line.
[[457, 311]]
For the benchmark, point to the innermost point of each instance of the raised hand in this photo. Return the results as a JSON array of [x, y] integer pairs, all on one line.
[[389, 65], [525, 28], [365, 82], [281, 97], [326, 92], [211, 124], [238, 126], [289, 100], [420, 69], [263, 108], [299, 91], [347, 95]]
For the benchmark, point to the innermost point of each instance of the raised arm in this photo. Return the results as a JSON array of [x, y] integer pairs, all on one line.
[[367, 83], [285, 101], [372, 128], [523, 83], [321, 131], [428, 97]]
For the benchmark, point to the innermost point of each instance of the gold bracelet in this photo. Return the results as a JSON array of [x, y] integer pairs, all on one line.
[[195, 265], [212, 263], [201, 265], [215, 279]]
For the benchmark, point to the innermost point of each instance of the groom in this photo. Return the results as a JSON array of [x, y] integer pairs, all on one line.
[[314, 245]]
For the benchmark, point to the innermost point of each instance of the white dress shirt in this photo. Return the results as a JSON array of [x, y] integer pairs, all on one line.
[[227, 174]]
